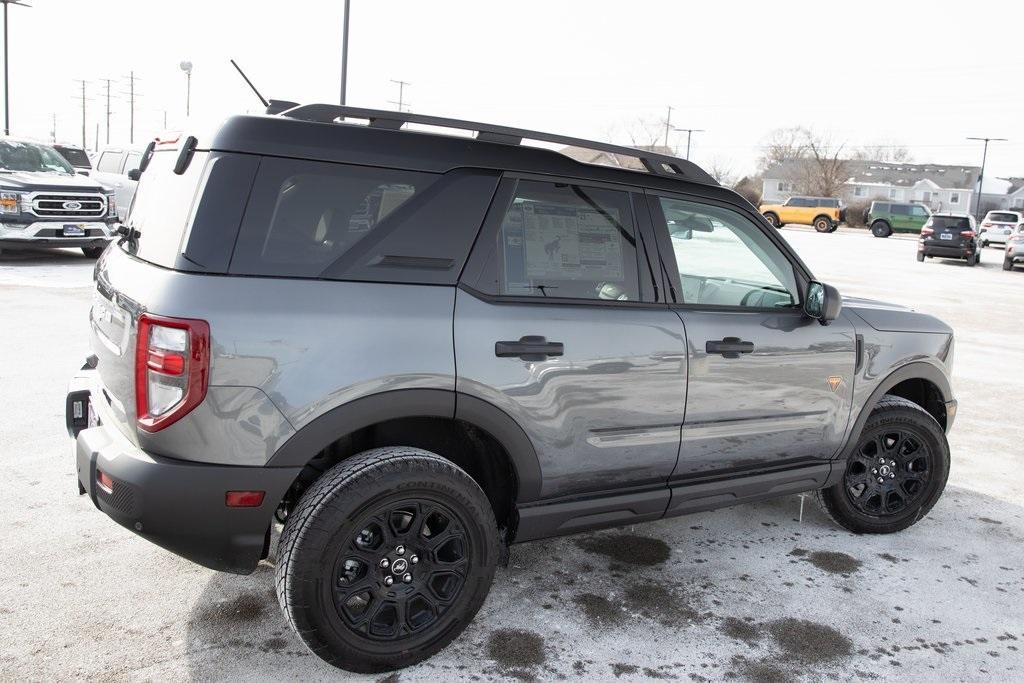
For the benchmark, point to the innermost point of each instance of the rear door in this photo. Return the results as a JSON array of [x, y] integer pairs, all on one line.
[[901, 219], [557, 324], [768, 387], [952, 232]]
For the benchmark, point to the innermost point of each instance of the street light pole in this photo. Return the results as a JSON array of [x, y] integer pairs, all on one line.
[[981, 175], [344, 54], [689, 133], [186, 66], [7, 79]]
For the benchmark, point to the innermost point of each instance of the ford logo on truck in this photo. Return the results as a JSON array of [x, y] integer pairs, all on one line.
[[72, 206]]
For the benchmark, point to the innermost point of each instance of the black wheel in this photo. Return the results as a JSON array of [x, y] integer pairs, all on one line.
[[984, 244], [823, 224], [1007, 264], [93, 252], [881, 229], [386, 559], [773, 219], [972, 260], [920, 256], [896, 473]]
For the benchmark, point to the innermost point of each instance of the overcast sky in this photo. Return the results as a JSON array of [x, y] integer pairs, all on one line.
[[921, 74]]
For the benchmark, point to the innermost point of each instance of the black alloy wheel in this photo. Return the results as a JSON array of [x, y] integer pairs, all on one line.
[[889, 472], [402, 570]]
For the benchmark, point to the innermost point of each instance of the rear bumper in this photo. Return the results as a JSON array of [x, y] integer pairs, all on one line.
[[175, 504], [49, 234], [946, 252]]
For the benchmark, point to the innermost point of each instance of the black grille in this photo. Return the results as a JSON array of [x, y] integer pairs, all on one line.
[[64, 206]]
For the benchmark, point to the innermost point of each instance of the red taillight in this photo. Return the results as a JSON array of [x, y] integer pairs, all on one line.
[[986, 225], [172, 367], [926, 231], [104, 481], [967, 233], [244, 499]]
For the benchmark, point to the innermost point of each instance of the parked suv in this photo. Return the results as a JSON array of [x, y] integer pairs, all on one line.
[[44, 204], [824, 213], [997, 226], [950, 235], [885, 218], [1014, 249], [117, 167], [415, 349]]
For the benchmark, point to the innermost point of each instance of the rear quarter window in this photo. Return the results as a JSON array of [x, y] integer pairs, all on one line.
[[340, 221]]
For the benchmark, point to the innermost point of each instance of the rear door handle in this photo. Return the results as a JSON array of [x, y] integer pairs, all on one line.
[[730, 347], [530, 347]]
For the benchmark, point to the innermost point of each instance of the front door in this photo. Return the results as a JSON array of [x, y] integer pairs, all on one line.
[[768, 386], [560, 330]]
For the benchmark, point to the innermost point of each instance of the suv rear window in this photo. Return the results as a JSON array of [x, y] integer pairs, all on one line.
[[951, 223], [304, 215], [1003, 217]]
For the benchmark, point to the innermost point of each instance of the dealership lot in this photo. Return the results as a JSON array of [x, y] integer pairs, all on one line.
[[749, 592]]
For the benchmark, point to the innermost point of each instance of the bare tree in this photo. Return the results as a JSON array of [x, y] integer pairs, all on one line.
[[888, 153], [749, 187], [783, 144], [827, 171], [721, 170], [640, 132]]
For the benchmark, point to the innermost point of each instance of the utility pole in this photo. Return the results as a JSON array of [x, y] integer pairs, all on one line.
[[82, 82], [344, 54], [131, 105], [689, 133], [108, 109], [981, 175], [401, 94], [186, 66], [668, 124], [7, 79]]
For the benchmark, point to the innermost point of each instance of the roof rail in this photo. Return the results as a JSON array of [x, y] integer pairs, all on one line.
[[656, 164]]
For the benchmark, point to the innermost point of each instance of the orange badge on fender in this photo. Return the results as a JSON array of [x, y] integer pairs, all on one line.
[[834, 382]]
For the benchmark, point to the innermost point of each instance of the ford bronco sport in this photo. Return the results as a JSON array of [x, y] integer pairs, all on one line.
[[44, 204], [414, 349]]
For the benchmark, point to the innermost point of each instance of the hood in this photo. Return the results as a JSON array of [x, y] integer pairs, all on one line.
[[887, 317], [31, 182]]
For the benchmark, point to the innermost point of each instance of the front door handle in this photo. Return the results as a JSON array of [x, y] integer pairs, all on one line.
[[530, 347], [730, 347]]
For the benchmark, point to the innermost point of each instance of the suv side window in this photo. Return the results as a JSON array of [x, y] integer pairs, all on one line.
[[110, 162], [918, 211], [724, 259], [302, 216], [568, 241], [900, 210]]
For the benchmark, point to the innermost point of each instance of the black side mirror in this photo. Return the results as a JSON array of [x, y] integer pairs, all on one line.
[[134, 174], [823, 302]]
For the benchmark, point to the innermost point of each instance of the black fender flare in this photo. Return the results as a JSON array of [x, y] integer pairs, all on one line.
[[913, 370], [400, 403]]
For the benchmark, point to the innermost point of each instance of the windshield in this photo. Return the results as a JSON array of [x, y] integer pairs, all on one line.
[[32, 158]]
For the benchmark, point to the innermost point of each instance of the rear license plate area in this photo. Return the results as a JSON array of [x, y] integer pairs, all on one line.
[[946, 236]]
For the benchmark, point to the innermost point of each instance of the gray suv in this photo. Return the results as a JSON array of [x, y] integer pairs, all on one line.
[[409, 350]]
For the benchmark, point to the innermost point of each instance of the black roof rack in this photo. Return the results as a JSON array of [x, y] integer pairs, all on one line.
[[657, 164]]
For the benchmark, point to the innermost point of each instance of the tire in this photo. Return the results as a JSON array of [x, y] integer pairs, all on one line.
[[773, 219], [1007, 264], [920, 256], [928, 461], [972, 260], [984, 244], [93, 252], [822, 224], [325, 542], [881, 229]]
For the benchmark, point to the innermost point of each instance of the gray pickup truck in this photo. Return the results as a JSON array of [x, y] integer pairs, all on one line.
[[44, 204], [413, 349]]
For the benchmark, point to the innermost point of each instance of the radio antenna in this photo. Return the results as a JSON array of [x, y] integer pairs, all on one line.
[[249, 83]]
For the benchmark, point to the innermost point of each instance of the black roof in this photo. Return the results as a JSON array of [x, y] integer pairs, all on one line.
[[390, 146]]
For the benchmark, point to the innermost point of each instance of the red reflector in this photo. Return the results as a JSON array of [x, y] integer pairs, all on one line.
[[104, 481], [165, 362], [967, 233], [244, 499]]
